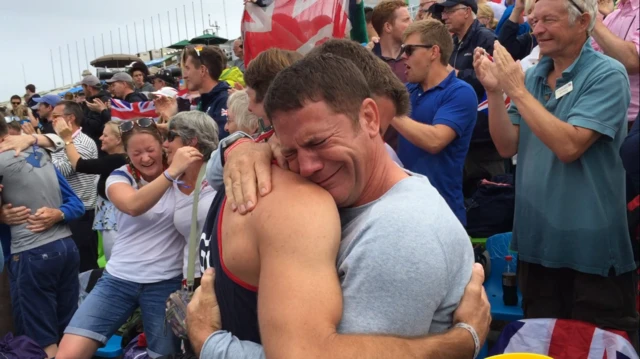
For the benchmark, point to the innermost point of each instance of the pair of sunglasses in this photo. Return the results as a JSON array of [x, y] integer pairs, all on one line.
[[15, 103], [409, 49], [9, 119], [172, 136], [145, 122]]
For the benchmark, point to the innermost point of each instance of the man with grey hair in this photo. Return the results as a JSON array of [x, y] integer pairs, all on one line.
[[566, 123], [238, 50], [238, 116]]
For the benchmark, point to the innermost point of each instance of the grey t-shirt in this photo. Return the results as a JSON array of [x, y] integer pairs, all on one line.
[[403, 263], [30, 180]]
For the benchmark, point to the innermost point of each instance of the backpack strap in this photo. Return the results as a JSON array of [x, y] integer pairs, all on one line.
[[193, 233]]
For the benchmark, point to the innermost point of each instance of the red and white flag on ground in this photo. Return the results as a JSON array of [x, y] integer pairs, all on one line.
[[563, 339], [125, 111], [297, 25]]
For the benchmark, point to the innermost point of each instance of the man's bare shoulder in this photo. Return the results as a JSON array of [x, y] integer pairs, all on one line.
[[295, 199]]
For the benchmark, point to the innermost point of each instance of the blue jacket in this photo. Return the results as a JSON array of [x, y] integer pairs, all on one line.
[[214, 104], [72, 208]]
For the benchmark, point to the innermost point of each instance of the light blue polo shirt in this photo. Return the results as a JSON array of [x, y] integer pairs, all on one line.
[[452, 103], [574, 215]]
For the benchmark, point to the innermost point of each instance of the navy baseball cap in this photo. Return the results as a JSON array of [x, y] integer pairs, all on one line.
[[49, 99], [451, 3]]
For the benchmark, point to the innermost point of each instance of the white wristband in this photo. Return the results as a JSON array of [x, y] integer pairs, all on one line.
[[476, 340]]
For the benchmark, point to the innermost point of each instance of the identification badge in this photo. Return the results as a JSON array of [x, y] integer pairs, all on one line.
[[564, 90]]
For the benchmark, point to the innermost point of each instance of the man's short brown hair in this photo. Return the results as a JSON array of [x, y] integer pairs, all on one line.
[[264, 68], [210, 56], [385, 12], [327, 78], [432, 32], [381, 80]]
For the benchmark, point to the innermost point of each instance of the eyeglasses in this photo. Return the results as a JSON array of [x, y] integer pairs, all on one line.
[[409, 49], [15, 103], [451, 11], [576, 6], [172, 136], [145, 122]]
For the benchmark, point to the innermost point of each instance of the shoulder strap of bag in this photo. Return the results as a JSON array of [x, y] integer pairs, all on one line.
[[194, 233]]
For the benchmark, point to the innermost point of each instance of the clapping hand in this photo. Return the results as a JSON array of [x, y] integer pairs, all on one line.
[[485, 70], [509, 72]]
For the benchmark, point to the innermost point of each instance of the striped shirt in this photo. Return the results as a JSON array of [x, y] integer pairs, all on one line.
[[84, 185]]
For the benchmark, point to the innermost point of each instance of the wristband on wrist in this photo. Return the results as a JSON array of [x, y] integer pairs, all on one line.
[[476, 340], [171, 179], [36, 139]]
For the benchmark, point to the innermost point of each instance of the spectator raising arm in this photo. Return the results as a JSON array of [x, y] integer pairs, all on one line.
[[627, 52]]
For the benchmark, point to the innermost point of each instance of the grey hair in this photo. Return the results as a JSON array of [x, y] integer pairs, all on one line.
[[588, 6], [196, 124], [238, 105]]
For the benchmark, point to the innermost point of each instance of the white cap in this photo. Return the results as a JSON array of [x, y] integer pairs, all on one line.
[[166, 92]]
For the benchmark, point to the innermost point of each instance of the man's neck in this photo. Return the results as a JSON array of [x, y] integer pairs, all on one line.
[[207, 85], [460, 34], [437, 74], [389, 47], [127, 92], [564, 60], [383, 175]]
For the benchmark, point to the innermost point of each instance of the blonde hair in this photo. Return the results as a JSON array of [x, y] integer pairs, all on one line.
[[528, 5], [238, 105], [484, 10], [115, 128], [432, 32]]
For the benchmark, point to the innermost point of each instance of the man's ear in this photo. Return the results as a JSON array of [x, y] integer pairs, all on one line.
[[369, 117]]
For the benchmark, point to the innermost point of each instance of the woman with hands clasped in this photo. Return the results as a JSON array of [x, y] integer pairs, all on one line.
[[105, 218], [146, 264]]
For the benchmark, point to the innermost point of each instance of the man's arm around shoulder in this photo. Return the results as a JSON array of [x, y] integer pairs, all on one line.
[[300, 301]]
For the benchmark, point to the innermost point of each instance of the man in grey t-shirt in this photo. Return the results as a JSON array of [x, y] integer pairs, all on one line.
[[404, 259]]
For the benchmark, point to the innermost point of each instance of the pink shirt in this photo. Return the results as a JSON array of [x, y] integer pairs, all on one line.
[[625, 23]]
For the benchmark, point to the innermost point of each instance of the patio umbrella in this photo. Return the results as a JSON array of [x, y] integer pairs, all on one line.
[[114, 60], [208, 39], [180, 45]]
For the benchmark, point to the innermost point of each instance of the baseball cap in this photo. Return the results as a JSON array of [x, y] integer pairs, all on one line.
[[90, 80], [164, 75], [49, 99], [451, 3], [166, 92], [120, 76]]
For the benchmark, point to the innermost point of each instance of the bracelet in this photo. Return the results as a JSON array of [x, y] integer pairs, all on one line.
[[35, 138], [171, 179], [476, 340]]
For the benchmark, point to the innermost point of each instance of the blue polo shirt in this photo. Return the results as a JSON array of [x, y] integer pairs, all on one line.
[[573, 215], [452, 103]]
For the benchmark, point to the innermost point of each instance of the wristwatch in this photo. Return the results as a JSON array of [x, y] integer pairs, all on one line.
[[230, 140]]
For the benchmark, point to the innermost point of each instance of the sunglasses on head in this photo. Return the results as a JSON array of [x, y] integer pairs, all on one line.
[[197, 49], [409, 49], [145, 122], [9, 119]]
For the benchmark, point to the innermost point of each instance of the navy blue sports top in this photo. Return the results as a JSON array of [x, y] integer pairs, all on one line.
[[237, 300]]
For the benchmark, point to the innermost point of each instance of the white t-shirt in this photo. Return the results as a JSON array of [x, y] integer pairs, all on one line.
[[498, 9], [148, 248], [182, 219]]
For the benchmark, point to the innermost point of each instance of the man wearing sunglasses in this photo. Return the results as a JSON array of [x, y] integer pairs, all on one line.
[[434, 141], [15, 101], [238, 50], [483, 161]]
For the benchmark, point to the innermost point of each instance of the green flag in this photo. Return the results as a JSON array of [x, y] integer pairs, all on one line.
[[358, 21]]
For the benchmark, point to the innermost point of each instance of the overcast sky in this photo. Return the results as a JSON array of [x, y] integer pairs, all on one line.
[[29, 30]]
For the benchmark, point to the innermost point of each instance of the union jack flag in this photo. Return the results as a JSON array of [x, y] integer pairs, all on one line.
[[223, 112], [125, 111], [298, 25], [563, 339]]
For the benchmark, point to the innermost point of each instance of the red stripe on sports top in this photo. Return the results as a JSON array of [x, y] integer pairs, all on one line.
[[226, 270], [264, 136]]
